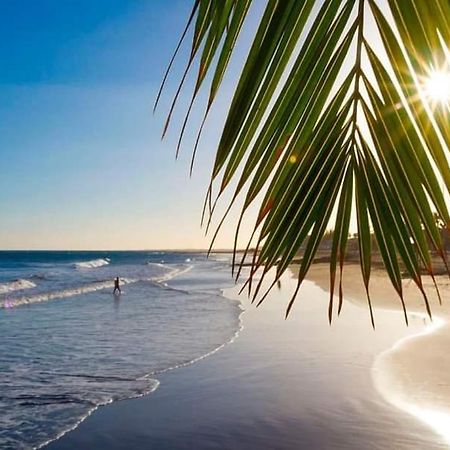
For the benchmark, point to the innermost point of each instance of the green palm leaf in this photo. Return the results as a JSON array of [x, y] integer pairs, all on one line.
[[328, 122]]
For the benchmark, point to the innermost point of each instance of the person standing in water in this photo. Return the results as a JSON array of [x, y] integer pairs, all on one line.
[[117, 286]]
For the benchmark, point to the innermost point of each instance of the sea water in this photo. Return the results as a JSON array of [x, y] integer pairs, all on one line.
[[69, 345]]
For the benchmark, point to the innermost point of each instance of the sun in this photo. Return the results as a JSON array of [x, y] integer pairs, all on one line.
[[437, 86]]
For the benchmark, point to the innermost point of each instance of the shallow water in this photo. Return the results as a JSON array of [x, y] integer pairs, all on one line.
[[69, 345]]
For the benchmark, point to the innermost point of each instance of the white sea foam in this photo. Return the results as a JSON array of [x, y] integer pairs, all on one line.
[[86, 289], [46, 296], [92, 264], [384, 380], [65, 293], [171, 273], [16, 285]]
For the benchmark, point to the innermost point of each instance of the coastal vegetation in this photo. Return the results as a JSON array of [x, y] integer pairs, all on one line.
[[339, 119]]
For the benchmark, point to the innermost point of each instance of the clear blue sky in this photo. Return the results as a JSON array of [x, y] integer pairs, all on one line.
[[82, 164]]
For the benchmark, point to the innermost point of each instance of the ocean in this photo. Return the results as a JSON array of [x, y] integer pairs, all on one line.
[[69, 345]]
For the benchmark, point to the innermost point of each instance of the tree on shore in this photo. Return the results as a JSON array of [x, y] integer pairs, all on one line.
[[340, 114]]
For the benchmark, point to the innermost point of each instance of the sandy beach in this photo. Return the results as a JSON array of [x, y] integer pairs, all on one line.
[[414, 373], [295, 384]]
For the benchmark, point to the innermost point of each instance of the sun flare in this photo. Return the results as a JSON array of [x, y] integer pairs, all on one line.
[[437, 86]]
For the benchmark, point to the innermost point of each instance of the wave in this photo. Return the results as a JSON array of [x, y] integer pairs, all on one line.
[[171, 273], [94, 263], [15, 285], [86, 289], [46, 296]]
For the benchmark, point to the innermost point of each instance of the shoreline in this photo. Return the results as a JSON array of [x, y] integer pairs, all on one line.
[[151, 377], [247, 395], [412, 375]]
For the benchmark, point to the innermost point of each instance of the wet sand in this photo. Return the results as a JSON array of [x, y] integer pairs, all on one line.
[[414, 373], [295, 384]]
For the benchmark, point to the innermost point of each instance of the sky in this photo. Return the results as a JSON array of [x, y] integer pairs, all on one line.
[[83, 165], [82, 162]]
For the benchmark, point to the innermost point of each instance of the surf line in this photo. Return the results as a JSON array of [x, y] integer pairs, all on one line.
[[87, 289], [384, 379]]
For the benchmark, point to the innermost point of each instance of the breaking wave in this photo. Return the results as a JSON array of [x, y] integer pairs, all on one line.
[[15, 285], [92, 264], [86, 289]]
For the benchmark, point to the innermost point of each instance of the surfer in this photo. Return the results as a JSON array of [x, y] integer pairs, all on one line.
[[117, 286]]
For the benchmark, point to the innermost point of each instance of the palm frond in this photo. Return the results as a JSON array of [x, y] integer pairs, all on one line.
[[329, 122]]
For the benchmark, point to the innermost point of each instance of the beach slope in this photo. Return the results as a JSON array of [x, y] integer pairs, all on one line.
[[295, 384]]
